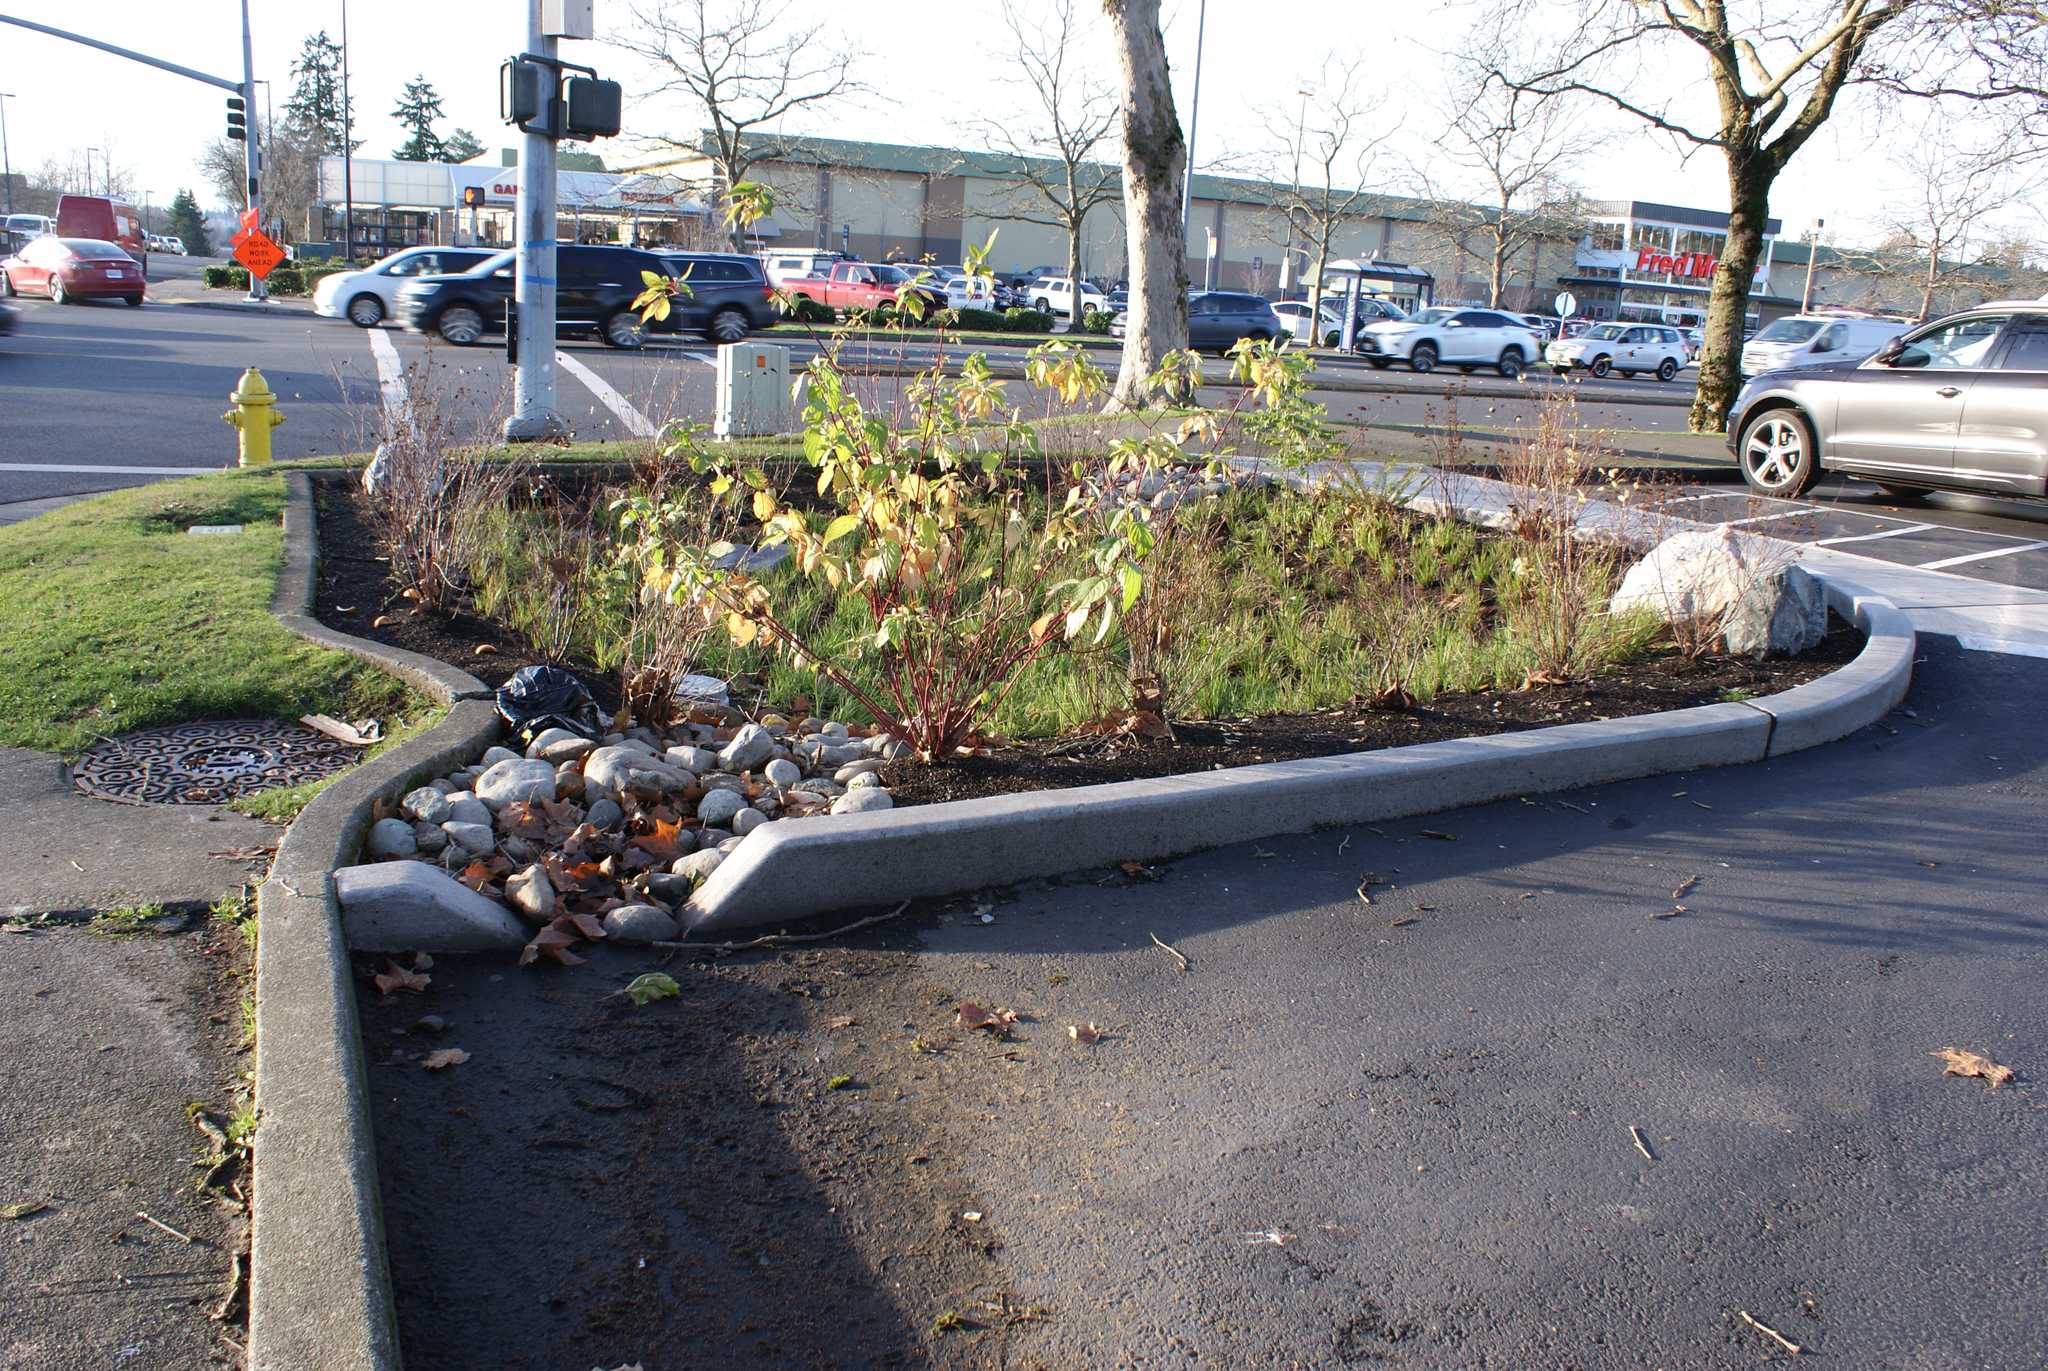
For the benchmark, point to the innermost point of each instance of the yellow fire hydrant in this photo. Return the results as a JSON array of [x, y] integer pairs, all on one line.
[[255, 413]]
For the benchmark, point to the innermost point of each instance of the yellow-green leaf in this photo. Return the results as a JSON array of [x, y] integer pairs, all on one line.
[[840, 527]]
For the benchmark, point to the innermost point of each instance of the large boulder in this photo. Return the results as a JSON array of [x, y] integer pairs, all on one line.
[[611, 770], [1745, 587], [413, 907]]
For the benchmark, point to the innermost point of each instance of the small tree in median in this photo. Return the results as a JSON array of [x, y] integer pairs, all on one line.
[[188, 225]]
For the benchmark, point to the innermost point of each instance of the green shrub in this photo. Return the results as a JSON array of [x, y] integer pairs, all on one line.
[[1018, 319], [286, 280], [1095, 320], [804, 310], [981, 321], [222, 277]]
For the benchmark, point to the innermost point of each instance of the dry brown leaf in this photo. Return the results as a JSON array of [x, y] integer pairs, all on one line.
[[662, 844], [1138, 871], [843, 1021], [972, 1016], [1964, 1063], [1395, 699], [483, 650], [1086, 1034], [383, 621], [395, 977], [243, 854], [447, 1056], [522, 819], [1683, 886]]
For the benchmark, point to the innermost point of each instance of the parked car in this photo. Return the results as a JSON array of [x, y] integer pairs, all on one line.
[[103, 219], [1694, 341], [1020, 281], [1054, 295], [1218, 319], [729, 295], [793, 262], [175, 245], [1294, 317], [1545, 325], [1957, 404], [368, 297], [1626, 348], [863, 285], [69, 269], [594, 292], [1465, 338], [31, 225], [1816, 340]]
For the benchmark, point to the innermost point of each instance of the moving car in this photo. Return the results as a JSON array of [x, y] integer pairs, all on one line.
[[1217, 319], [1816, 340], [1957, 404], [729, 295], [71, 269], [594, 292], [1465, 338], [368, 297], [31, 225], [104, 219], [1626, 348]]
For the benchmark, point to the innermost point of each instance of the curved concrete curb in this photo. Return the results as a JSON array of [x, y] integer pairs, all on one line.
[[787, 871], [319, 1284]]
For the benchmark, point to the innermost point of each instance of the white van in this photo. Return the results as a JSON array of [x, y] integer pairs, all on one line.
[[1816, 340], [791, 262]]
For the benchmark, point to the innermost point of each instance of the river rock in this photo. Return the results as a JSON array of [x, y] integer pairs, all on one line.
[[429, 837], [468, 809], [639, 923], [698, 866], [846, 773], [712, 837], [531, 893], [1743, 588], [784, 772], [718, 806], [862, 780], [605, 813], [514, 779], [833, 729], [696, 760], [493, 755], [559, 745], [392, 838], [748, 749], [425, 805], [668, 886], [475, 839], [747, 820], [612, 771], [863, 801]]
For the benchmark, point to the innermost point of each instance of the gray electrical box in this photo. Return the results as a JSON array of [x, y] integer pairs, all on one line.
[[753, 390], [568, 18]]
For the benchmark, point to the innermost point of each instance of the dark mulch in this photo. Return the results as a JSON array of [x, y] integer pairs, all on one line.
[[355, 589]]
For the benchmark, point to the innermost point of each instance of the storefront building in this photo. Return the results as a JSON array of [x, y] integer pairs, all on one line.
[[1648, 263]]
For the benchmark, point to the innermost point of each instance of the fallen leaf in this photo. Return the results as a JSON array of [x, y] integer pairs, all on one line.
[[972, 1016], [383, 621], [1269, 1236], [1401, 922], [1683, 886], [1962, 1063], [483, 650], [1086, 1034], [970, 1215], [843, 1021], [522, 819], [445, 1057], [839, 1083], [243, 854], [654, 985], [1440, 837], [395, 977], [664, 842], [1138, 871], [23, 1210]]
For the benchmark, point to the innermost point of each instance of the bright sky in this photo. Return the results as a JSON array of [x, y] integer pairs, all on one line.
[[1258, 54]]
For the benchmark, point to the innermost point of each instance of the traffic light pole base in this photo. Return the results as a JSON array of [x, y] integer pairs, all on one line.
[[535, 426]]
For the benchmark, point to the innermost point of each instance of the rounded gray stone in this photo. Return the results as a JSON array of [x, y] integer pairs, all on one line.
[[696, 760], [429, 837], [748, 749], [747, 820], [863, 801], [426, 805], [391, 838], [845, 774], [862, 780], [784, 772], [698, 866], [467, 809], [639, 923], [493, 755], [413, 907], [475, 839], [718, 806], [515, 779], [604, 813]]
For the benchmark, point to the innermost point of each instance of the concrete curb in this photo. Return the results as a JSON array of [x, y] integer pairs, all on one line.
[[279, 309], [788, 871], [319, 1282]]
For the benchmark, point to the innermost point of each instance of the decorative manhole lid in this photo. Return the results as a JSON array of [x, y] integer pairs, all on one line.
[[208, 763]]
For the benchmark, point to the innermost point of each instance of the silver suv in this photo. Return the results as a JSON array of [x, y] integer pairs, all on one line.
[[1957, 404]]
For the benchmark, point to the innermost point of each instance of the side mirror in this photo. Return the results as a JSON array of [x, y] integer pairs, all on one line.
[[1889, 353]]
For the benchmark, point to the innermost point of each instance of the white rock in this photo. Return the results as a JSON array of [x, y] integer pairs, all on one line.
[[493, 755], [1740, 584], [639, 923], [560, 745], [426, 803], [833, 729], [475, 839], [605, 813], [846, 773], [391, 838], [862, 780], [862, 801], [747, 820], [515, 779], [531, 893], [612, 770], [717, 806], [895, 748], [748, 749], [698, 866], [444, 785], [637, 741], [413, 907], [468, 809], [696, 760], [784, 772]]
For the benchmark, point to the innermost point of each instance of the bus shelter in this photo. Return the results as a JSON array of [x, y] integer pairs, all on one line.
[[1346, 278]]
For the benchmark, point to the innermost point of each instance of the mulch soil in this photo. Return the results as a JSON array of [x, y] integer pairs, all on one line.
[[355, 590]]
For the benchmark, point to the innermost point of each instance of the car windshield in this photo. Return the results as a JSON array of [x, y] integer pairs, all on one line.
[[1789, 331], [888, 275], [1432, 316], [93, 250], [1609, 332], [492, 264]]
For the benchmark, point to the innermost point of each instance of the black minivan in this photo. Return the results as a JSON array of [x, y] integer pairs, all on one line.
[[594, 292], [729, 295]]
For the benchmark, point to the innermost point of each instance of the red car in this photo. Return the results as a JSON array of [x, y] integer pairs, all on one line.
[[67, 269]]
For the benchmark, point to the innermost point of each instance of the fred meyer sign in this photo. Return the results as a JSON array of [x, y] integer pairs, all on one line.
[[1694, 266]]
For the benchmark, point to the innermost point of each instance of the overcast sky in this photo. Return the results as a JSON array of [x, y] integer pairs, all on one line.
[[933, 60]]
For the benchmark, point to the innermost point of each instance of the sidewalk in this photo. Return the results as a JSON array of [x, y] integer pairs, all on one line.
[[191, 295]]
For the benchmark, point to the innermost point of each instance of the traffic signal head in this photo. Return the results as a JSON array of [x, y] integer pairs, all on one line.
[[592, 108], [238, 128], [472, 196]]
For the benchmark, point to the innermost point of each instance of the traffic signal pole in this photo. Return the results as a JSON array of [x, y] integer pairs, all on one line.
[[252, 154], [534, 416]]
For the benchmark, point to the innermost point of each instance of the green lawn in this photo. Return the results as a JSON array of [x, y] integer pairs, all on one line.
[[113, 617]]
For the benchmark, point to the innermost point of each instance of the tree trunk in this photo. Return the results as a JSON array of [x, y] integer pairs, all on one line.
[[1749, 195], [1155, 156], [1074, 275], [1927, 286], [1496, 272]]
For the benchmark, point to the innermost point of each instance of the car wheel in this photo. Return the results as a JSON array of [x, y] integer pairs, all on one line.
[[134, 300], [460, 325], [1510, 364], [729, 326], [6, 285], [1331, 340], [366, 311], [1777, 453], [1667, 369], [1904, 495], [1601, 366], [625, 329], [1627, 375], [1042, 305], [1423, 358], [1378, 363], [57, 295]]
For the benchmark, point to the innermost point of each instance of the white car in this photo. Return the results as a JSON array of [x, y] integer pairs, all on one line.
[[175, 246], [1626, 348], [1816, 340], [1294, 314], [1444, 335], [368, 297], [1055, 295]]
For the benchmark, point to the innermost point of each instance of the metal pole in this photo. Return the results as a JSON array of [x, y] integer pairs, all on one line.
[[348, 138], [533, 223], [1187, 182], [251, 157], [1812, 251], [6, 164], [88, 169]]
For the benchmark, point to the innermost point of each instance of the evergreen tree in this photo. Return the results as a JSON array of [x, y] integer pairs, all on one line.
[[189, 225], [417, 110], [315, 111], [461, 146]]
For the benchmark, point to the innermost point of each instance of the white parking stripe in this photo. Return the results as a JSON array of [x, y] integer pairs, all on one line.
[[1766, 518], [637, 424], [1981, 556], [1867, 537], [390, 378], [70, 469], [1976, 644], [706, 358]]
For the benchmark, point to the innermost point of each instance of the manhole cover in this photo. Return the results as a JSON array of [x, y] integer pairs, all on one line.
[[210, 763]]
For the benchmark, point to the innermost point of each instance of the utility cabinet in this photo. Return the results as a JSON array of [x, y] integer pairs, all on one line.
[[753, 390]]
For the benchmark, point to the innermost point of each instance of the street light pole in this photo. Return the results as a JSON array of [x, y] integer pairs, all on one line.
[[1300, 133], [252, 156], [533, 223], [1187, 180], [348, 139], [6, 163], [88, 169], [1812, 251]]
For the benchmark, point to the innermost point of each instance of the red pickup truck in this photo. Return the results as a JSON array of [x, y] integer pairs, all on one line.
[[863, 285]]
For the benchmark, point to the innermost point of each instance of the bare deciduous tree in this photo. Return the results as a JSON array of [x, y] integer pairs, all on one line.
[[1958, 186], [1155, 166], [1051, 150], [1775, 68], [742, 67], [1331, 143]]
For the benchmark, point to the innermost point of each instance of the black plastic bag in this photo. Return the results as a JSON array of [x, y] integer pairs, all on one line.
[[538, 698]]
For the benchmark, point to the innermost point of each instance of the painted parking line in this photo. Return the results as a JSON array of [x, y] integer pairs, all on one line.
[[1798, 512], [390, 379], [637, 424], [1867, 537], [1981, 556], [82, 470]]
